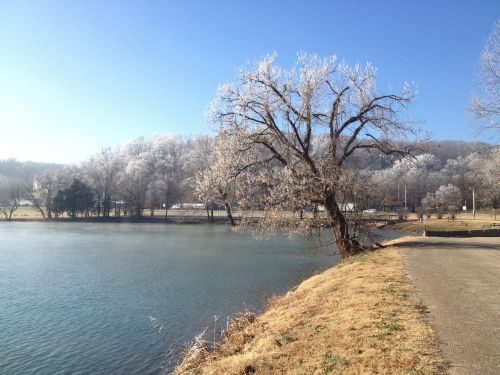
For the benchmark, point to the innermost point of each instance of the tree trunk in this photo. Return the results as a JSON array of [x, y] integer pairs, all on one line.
[[229, 215], [98, 207], [208, 213], [41, 211], [346, 245], [37, 204]]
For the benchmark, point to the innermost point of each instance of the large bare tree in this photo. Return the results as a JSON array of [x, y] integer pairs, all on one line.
[[303, 127], [485, 107]]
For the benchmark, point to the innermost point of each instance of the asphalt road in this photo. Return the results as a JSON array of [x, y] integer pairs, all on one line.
[[458, 279]]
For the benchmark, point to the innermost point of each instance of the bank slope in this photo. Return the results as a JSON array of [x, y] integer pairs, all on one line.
[[359, 317]]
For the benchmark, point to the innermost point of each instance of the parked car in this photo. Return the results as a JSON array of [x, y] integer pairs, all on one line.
[[369, 211]]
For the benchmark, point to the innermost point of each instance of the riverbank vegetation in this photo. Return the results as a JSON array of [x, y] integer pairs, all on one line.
[[358, 317]]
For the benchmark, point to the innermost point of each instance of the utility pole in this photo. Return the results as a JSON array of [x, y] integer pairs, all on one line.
[[406, 206], [473, 203]]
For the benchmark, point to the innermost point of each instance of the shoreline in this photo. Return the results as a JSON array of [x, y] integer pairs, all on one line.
[[126, 219], [222, 220], [361, 316]]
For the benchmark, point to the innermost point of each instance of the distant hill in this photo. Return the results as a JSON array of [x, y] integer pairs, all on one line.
[[13, 169], [443, 150], [446, 149]]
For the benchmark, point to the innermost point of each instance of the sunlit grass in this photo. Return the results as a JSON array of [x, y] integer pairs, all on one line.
[[358, 317]]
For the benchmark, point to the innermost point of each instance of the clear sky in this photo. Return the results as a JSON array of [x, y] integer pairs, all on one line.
[[76, 76]]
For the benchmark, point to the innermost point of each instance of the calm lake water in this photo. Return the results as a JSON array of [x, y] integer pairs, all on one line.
[[77, 298]]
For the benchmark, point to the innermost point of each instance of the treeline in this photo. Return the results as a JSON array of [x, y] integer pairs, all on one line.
[[155, 173]]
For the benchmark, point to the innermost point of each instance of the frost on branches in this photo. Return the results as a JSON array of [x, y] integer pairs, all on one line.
[[287, 138], [485, 107]]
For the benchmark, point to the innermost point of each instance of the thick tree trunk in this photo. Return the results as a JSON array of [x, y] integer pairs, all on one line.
[[37, 205], [346, 245], [229, 214], [48, 207], [41, 211]]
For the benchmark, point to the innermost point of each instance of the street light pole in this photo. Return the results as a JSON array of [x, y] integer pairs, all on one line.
[[406, 207], [473, 203]]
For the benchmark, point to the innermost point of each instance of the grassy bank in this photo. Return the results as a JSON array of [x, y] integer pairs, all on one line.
[[359, 317]]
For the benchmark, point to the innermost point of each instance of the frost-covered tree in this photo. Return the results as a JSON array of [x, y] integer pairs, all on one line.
[[99, 172], [168, 151], [137, 174], [448, 195], [491, 178], [485, 107], [199, 158], [429, 201], [216, 182], [418, 175], [277, 115]]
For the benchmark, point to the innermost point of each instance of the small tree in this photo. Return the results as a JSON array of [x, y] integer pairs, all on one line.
[[77, 199], [10, 197], [217, 182]]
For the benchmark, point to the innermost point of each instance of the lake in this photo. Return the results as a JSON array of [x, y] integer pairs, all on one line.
[[76, 298]]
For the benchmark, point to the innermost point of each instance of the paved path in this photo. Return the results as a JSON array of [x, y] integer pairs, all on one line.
[[458, 279]]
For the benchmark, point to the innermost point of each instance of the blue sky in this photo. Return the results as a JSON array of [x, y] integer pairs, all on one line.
[[76, 76]]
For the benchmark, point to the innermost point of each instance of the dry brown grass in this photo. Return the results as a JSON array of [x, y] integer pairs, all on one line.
[[27, 213], [356, 318]]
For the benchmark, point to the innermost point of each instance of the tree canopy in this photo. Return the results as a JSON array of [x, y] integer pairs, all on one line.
[[295, 132]]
